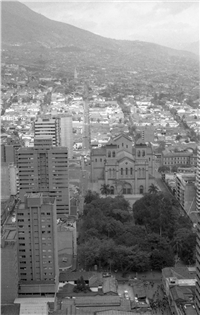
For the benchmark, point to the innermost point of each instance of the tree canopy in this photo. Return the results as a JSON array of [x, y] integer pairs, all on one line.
[[91, 195], [105, 189], [153, 189], [155, 212], [113, 236], [163, 169]]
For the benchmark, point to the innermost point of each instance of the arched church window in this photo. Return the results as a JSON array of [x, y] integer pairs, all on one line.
[[141, 189], [112, 190], [127, 189]]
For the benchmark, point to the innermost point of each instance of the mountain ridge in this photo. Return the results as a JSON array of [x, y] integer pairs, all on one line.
[[26, 35]]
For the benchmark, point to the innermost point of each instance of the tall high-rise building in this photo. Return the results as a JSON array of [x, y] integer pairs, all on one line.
[[198, 232], [198, 180], [66, 133], [9, 180], [86, 120], [9, 153], [44, 168], [9, 272], [37, 245], [75, 74], [47, 126], [59, 127]]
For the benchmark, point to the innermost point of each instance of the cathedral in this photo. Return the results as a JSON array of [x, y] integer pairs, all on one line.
[[127, 169]]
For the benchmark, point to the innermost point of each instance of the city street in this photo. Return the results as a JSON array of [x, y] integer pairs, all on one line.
[[163, 187], [125, 287], [153, 292]]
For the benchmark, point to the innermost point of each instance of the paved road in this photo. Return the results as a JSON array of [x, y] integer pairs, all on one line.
[[153, 291], [123, 287], [163, 187]]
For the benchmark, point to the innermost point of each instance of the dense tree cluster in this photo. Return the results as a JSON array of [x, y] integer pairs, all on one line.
[[114, 236], [159, 214], [81, 286]]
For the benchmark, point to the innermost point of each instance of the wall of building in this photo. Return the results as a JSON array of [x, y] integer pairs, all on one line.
[[190, 198], [45, 170], [37, 243], [9, 273], [5, 182], [46, 126], [198, 233], [66, 134], [126, 171]]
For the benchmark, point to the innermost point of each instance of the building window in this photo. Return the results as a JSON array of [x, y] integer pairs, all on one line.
[[131, 171], [127, 189], [127, 146], [113, 154], [139, 172], [143, 153], [95, 160], [112, 190], [109, 154], [122, 144], [139, 153], [141, 189], [122, 171], [126, 171], [110, 172], [100, 160]]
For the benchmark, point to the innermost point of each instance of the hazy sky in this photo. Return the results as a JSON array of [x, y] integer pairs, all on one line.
[[169, 23]]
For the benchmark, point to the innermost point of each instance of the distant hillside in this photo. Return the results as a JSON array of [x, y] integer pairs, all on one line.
[[29, 34], [193, 47], [22, 25]]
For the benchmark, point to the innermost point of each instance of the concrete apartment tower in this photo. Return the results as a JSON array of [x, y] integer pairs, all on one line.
[[44, 168], [66, 133], [86, 120], [37, 246], [45, 125], [9, 270], [9, 180], [198, 233]]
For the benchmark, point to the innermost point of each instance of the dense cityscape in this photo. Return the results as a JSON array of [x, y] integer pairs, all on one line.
[[100, 175]]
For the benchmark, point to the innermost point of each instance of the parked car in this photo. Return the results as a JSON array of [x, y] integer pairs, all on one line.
[[106, 274], [126, 295]]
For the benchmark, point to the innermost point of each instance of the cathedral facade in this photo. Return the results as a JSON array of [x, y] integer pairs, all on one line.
[[127, 169]]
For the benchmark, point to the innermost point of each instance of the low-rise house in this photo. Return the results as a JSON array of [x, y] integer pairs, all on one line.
[[72, 277], [179, 285], [110, 286], [95, 282]]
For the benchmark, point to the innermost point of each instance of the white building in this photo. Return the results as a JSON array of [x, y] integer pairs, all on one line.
[[186, 191], [197, 292], [48, 126], [66, 133], [9, 181]]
